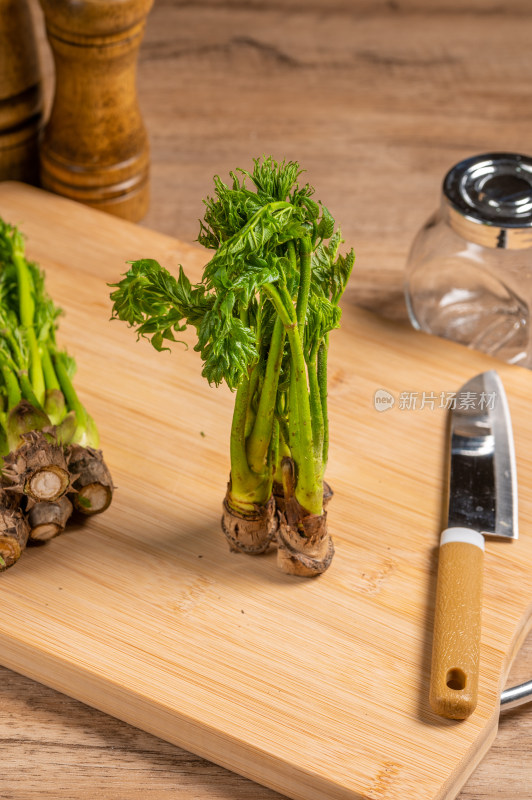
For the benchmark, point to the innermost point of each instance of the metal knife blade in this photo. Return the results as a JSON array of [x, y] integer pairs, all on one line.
[[482, 481], [482, 500]]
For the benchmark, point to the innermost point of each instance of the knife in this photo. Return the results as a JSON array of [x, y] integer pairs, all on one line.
[[482, 501]]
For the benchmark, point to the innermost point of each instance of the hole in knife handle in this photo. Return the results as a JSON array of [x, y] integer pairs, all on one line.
[[456, 679]]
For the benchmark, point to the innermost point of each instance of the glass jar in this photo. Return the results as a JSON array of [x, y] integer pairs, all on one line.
[[469, 272]]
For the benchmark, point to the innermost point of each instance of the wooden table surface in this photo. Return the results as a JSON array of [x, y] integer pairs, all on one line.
[[376, 100]]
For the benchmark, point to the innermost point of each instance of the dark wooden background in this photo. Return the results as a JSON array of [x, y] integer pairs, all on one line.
[[376, 100]]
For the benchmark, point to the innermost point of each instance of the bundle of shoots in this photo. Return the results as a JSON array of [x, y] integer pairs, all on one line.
[[268, 299], [41, 418]]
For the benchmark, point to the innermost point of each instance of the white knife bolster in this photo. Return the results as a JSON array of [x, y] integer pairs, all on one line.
[[465, 535]]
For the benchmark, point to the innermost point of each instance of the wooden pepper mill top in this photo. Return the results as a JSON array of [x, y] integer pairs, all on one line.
[[95, 147], [91, 18]]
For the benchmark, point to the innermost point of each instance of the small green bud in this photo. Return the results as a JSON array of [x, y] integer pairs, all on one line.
[[24, 418], [55, 406], [66, 429]]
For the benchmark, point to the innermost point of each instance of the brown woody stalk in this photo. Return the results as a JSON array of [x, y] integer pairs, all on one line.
[[251, 532], [304, 546], [91, 480], [47, 520], [37, 468]]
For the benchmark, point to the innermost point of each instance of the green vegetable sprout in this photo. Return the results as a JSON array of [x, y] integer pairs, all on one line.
[[47, 438], [263, 311]]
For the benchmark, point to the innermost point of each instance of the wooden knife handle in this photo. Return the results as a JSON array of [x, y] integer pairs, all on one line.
[[457, 624]]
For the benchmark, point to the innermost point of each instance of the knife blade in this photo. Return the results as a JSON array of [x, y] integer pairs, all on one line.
[[482, 502]]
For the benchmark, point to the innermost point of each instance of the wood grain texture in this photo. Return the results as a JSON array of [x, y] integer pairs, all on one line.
[[457, 630], [299, 685], [393, 114]]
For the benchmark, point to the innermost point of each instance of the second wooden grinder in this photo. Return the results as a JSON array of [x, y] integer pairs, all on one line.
[[95, 147]]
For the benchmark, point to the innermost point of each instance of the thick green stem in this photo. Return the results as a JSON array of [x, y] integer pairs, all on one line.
[[305, 250], [14, 395], [27, 391], [273, 449], [25, 288], [14, 347], [259, 439], [35, 370], [247, 489], [282, 450], [283, 305], [322, 381], [54, 402], [293, 416], [72, 400], [291, 252], [315, 406], [50, 378], [284, 437], [239, 464], [27, 315], [309, 490], [4, 442], [251, 413], [292, 256]]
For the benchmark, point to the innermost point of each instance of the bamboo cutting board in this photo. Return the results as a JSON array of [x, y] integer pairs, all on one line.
[[315, 688]]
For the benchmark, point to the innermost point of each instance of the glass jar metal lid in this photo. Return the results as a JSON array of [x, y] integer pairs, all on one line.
[[488, 199]]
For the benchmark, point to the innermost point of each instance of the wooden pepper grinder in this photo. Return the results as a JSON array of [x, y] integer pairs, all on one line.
[[20, 94], [95, 148]]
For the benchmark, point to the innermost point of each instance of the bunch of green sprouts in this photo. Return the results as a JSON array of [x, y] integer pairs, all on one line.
[[263, 311], [32, 366], [48, 457]]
